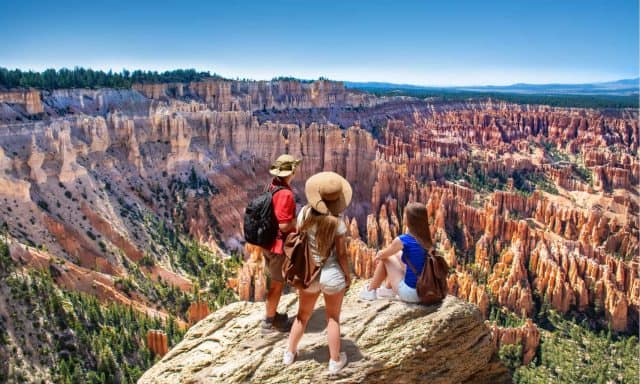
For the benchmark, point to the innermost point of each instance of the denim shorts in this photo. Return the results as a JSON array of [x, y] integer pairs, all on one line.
[[406, 293]]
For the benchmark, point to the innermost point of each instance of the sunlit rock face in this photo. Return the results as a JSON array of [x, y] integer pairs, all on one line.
[[227, 346], [29, 100]]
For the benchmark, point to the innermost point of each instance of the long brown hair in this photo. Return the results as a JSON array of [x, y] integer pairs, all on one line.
[[325, 229], [418, 223]]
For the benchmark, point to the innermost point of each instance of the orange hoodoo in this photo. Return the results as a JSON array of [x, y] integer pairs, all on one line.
[[251, 278], [198, 311], [157, 342]]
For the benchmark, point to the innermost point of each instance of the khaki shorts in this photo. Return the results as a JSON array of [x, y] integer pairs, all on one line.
[[273, 263]]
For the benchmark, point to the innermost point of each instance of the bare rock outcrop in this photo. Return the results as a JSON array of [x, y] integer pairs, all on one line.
[[9, 185], [29, 99], [384, 341], [225, 95]]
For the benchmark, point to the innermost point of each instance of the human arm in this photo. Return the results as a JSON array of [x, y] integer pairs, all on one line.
[[287, 227], [343, 258], [393, 248]]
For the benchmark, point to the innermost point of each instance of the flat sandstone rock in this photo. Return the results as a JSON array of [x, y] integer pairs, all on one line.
[[385, 341]]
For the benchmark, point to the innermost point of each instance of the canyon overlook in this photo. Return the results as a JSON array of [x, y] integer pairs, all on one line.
[[447, 344], [531, 205]]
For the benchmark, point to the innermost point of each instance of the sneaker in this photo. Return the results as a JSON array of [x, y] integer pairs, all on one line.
[[367, 294], [279, 323], [288, 358], [385, 293], [336, 366]]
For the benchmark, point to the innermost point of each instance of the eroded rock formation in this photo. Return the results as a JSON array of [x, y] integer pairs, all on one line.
[[528, 336], [228, 347], [251, 279], [29, 99], [198, 311], [157, 342], [524, 202]]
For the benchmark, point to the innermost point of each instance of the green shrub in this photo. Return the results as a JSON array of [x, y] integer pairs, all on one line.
[[574, 353], [147, 260], [511, 355]]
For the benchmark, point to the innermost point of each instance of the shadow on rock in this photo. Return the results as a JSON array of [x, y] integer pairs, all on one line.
[[318, 322], [321, 353]]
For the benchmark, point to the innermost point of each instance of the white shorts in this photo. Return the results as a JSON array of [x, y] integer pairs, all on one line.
[[330, 280], [406, 293]]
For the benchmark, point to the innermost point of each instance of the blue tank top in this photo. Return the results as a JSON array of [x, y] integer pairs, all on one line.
[[413, 251]]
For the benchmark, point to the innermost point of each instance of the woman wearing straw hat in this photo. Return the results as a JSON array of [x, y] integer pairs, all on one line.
[[328, 195]]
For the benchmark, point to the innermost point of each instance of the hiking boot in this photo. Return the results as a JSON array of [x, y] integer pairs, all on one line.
[[278, 323]]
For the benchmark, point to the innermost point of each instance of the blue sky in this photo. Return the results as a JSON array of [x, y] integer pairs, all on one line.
[[418, 42]]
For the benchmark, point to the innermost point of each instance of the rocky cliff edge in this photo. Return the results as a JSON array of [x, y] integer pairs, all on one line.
[[386, 341]]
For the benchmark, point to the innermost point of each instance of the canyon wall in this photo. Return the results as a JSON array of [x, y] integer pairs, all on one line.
[[226, 95], [28, 99], [528, 204]]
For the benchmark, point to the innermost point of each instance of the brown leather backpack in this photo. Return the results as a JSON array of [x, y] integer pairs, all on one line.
[[432, 281], [299, 269]]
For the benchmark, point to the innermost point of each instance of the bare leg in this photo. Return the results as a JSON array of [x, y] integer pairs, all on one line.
[[333, 304], [379, 274], [395, 269], [273, 297], [305, 308]]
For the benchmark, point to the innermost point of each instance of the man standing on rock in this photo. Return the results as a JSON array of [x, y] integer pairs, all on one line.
[[284, 207]]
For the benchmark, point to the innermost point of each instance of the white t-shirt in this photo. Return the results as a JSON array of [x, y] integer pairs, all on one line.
[[341, 230]]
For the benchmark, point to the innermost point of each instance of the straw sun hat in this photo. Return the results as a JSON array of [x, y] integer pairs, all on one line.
[[328, 192], [284, 166]]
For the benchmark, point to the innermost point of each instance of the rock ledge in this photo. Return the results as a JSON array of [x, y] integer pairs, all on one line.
[[386, 341]]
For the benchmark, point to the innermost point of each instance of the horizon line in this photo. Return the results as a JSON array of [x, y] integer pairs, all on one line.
[[323, 77]]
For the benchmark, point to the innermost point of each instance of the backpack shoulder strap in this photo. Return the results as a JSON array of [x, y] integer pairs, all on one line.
[[427, 255], [276, 189], [306, 211], [305, 219], [410, 264]]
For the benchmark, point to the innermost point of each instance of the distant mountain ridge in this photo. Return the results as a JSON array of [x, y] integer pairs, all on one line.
[[623, 87]]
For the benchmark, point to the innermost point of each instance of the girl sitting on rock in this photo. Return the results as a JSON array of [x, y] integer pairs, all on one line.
[[391, 263], [328, 195]]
